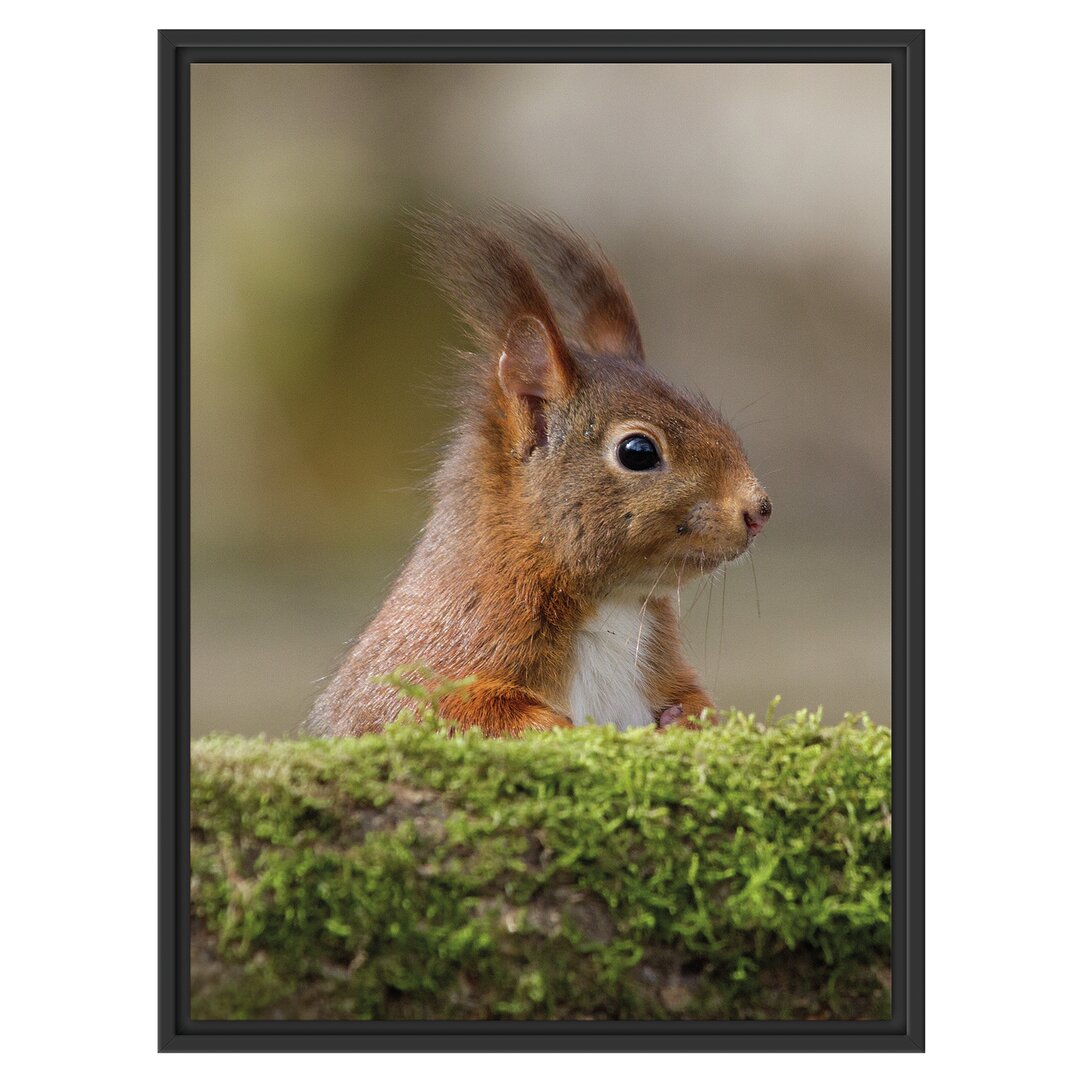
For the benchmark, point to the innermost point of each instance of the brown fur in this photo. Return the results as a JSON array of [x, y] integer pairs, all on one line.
[[534, 523], [587, 292]]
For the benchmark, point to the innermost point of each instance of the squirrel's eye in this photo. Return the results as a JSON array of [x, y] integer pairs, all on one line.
[[638, 453]]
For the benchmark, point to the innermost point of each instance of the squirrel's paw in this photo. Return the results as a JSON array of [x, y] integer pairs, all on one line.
[[674, 716], [544, 719]]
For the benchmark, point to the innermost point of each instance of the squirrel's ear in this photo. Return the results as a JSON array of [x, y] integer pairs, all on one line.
[[535, 364], [590, 299], [611, 328], [534, 368]]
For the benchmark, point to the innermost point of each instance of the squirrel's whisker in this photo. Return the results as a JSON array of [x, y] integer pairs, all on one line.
[[764, 420], [720, 643], [641, 616], [708, 614], [757, 595], [697, 596]]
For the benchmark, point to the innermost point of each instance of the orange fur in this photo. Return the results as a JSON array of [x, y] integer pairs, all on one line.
[[500, 709]]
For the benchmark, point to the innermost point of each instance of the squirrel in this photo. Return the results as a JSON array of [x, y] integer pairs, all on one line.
[[579, 490]]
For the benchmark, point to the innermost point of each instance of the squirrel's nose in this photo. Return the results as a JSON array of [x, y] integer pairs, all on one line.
[[756, 515]]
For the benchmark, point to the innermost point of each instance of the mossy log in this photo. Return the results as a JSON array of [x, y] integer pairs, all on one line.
[[741, 871]]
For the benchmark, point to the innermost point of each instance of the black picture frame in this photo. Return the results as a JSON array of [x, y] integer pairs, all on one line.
[[904, 51]]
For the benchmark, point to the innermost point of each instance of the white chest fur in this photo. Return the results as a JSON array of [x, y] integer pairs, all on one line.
[[611, 656]]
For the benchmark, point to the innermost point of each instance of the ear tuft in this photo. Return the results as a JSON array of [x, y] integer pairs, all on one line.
[[587, 292]]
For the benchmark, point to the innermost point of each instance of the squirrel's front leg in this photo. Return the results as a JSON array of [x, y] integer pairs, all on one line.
[[499, 709], [674, 690]]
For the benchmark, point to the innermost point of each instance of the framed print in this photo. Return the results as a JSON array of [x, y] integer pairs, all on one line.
[[541, 472]]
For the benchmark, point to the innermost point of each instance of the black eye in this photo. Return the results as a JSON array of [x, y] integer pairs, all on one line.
[[638, 453]]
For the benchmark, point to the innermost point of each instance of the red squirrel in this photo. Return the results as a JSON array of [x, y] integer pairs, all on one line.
[[580, 489]]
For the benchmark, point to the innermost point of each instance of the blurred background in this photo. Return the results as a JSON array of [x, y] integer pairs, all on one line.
[[748, 210]]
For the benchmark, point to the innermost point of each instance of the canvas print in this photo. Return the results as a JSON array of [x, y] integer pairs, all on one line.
[[540, 542]]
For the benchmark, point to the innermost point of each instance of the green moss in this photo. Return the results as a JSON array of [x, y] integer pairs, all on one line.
[[740, 871]]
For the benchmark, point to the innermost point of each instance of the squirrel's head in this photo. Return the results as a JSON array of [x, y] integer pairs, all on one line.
[[620, 477]]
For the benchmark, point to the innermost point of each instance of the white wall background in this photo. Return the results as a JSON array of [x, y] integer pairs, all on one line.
[[77, 431]]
